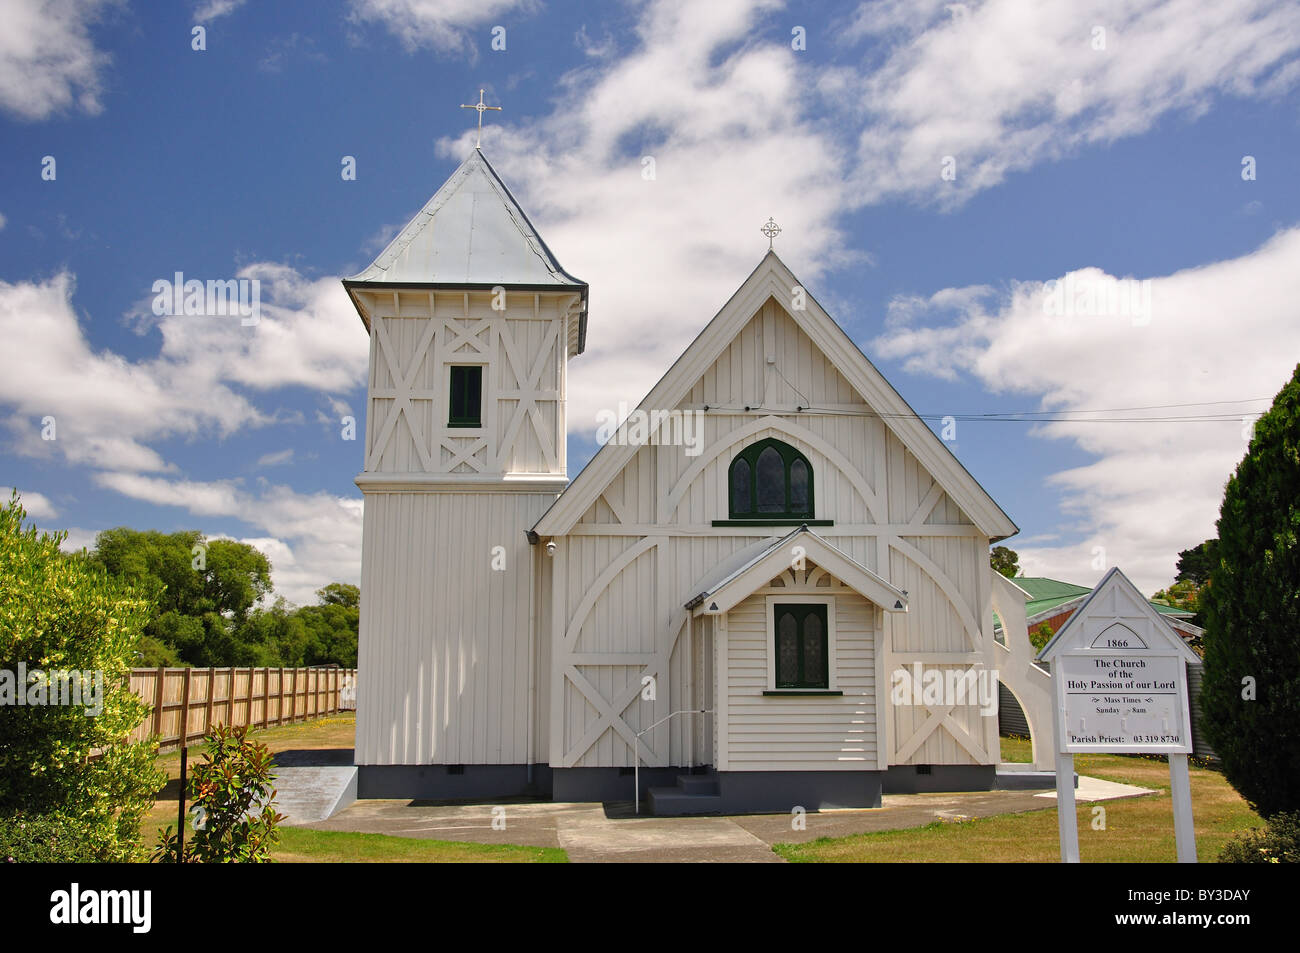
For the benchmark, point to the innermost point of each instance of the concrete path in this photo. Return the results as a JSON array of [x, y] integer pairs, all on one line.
[[1095, 789], [591, 836]]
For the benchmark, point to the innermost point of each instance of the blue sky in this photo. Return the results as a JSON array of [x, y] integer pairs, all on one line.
[[1095, 155]]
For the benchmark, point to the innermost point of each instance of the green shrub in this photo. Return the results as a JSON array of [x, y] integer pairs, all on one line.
[[1250, 698], [60, 613], [234, 820], [1277, 843], [52, 839]]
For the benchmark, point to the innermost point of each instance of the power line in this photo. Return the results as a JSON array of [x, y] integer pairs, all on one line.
[[1048, 416]]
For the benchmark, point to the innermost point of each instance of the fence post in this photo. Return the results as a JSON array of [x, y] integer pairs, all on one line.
[[158, 701], [185, 709], [266, 696], [212, 691]]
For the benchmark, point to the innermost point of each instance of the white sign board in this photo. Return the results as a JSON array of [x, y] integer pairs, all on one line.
[[1130, 702], [1121, 685]]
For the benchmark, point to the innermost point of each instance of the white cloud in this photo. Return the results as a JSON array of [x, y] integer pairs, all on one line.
[[37, 505], [308, 335], [79, 539], [3, 222], [1221, 332], [312, 538], [276, 459], [103, 407], [1007, 85], [441, 24], [107, 409], [740, 127], [210, 10], [48, 61], [721, 117]]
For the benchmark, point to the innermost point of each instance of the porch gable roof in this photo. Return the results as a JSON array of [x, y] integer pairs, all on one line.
[[725, 593]]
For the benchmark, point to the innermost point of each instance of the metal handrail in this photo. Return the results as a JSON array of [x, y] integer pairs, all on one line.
[[636, 747]]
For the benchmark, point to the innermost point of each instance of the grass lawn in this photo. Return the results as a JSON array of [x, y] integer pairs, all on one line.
[[1136, 829], [299, 845], [332, 731], [1017, 748]]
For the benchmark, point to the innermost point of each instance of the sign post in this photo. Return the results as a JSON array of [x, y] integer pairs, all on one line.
[[1120, 674]]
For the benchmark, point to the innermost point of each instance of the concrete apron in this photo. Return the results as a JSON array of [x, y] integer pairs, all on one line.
[[590, 833]]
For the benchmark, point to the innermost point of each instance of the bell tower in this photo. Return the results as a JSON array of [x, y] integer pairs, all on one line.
[[472, 321]]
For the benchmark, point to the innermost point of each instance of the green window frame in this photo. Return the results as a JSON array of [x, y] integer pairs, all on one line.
[[465, 400], [770, 480], [801, 643]]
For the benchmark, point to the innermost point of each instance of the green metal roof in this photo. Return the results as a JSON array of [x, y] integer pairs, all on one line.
[[1050, 593]]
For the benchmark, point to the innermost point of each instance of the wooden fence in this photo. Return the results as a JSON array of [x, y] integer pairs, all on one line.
[[187, 702]]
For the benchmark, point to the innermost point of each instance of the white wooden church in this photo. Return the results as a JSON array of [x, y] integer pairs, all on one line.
[[728, 617]]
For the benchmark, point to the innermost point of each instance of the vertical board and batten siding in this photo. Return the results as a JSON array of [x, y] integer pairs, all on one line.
[[443, 634], [818, 733], [888, 513], [453, 664]]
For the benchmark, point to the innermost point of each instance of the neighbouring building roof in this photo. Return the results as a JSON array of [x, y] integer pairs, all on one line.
[[1046, 594]]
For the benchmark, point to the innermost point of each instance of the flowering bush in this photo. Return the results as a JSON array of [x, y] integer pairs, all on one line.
[[232, 797]]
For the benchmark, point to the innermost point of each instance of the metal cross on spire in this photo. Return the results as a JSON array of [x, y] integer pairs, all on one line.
[[771, 230], [480, 107]]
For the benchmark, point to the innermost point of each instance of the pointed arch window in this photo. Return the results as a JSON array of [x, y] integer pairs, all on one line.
[[770, 480]]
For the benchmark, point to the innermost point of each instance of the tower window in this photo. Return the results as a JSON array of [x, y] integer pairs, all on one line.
[[770, 480], [466, 396]]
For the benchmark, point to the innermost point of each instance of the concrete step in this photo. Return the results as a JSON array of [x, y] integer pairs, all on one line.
[[1024, 778], [698, 783], [674, 802]]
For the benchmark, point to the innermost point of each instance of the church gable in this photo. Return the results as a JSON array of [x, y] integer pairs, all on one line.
[[773, 382], [773, 364], [760, 369]]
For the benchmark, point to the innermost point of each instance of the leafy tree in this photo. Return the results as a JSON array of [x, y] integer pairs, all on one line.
[[1194, 567], [340, 594], [204, 589], [154, 654], [1195, 564], [1005, 561], [1251, 693], [274, 636], [1040, 636], [322, 634], [61, 613], [332, 626], [1185, 595]]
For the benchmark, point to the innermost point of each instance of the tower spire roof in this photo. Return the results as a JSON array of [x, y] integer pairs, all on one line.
[[471, 234]]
